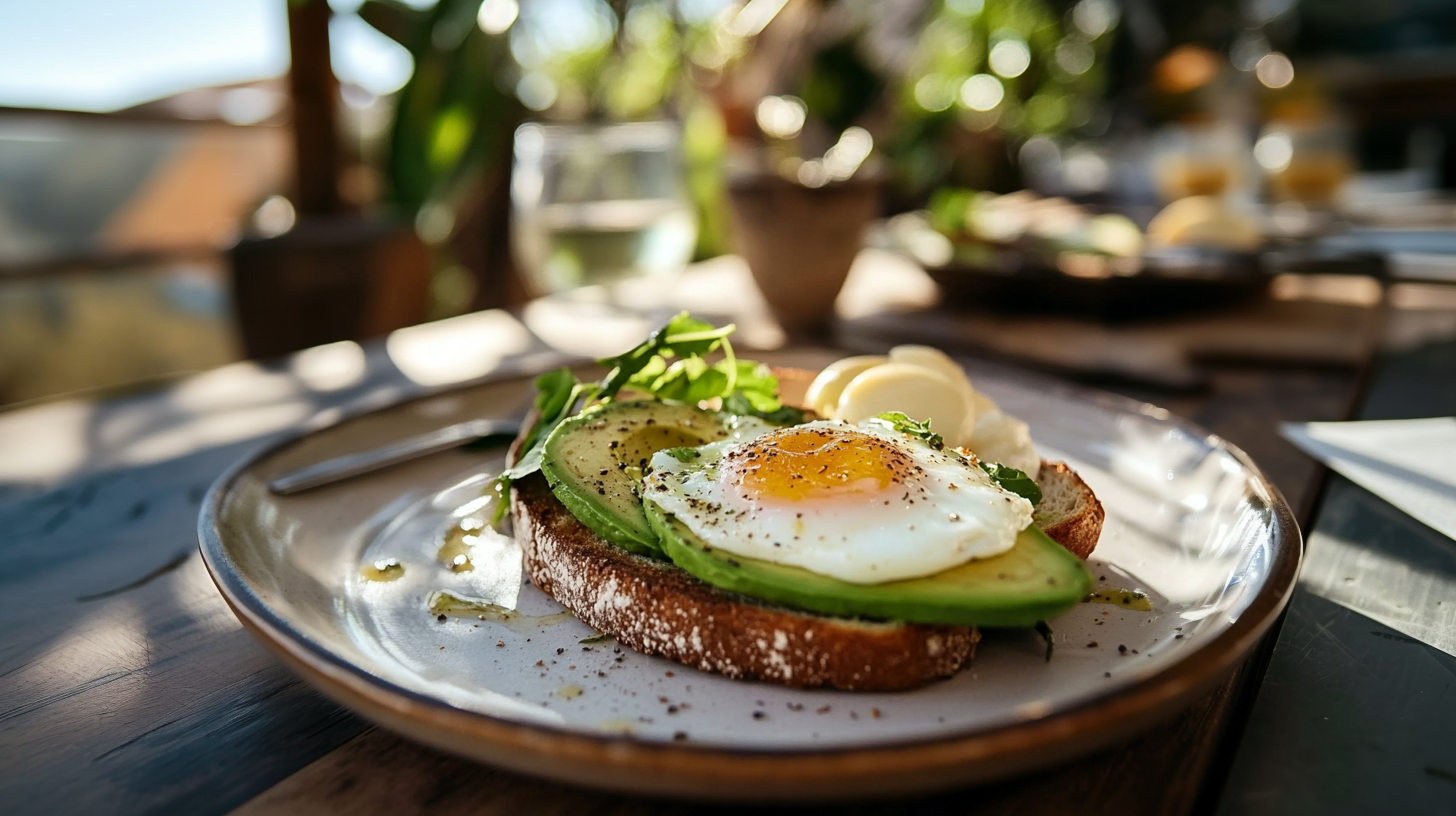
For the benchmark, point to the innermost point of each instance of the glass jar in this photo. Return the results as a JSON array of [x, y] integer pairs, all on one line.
[[1198, 159], [1305, 160], [593, 204]]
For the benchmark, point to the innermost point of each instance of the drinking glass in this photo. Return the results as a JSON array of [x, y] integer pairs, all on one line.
[[1199, 158], [593, 204], [1306, 160]]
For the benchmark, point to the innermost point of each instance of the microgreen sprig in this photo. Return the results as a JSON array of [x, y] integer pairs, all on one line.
[[669, 365]]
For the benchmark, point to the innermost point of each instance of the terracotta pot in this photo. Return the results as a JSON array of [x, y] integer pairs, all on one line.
[[799, 242]]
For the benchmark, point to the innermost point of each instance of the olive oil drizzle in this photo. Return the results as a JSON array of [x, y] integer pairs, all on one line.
[[1125, 598], [447, 604], [454, 553], [384, 569]]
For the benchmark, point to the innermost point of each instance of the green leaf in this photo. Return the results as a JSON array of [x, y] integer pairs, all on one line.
[[949, 207], [686, 336], [689, 378], [530, 460], [691, 381], [674, 380], [682, 336], [1046, 634], [644, 379], [904, 424], [738, 404], [557, 394], [758, 385], [745, 387], [1013, 480], [682, 454], [553, 390]]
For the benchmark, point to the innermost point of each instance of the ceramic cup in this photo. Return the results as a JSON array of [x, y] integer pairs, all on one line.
[[799, 243]]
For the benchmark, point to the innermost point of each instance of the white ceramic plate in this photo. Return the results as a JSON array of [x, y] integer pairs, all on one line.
[[1190, 522]]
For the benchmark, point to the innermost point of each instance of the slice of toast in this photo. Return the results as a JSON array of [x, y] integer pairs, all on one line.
[[657, 608], [1069, 512]]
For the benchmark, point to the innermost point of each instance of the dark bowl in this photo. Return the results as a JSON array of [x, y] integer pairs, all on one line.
[[1165, 282]]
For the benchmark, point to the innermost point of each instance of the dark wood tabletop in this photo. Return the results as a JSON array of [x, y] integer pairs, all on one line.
[[127, 687]]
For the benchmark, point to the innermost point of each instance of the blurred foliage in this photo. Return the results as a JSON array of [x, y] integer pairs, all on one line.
[[923, 76], [947, 134], [704, 143], [841, 86], [451, 118], [564, 60], [591, 60]]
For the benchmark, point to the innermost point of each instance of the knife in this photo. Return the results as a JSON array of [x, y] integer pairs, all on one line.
[[357, 464]]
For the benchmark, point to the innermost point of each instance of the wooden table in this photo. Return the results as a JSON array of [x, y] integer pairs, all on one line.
[[127, 687]]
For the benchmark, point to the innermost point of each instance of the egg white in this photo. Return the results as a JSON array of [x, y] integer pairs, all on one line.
[[946, 513]]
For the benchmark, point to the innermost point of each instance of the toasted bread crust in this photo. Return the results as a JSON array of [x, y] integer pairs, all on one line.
[[657, 608], [1078, 531]]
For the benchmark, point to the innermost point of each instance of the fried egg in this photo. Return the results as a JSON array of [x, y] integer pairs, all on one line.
[[861, 503]]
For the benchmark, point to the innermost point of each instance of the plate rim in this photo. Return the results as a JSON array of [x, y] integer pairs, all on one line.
[[619, 762]]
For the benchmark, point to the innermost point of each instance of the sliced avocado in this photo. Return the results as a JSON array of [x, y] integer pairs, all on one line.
[[1035, 580], [594, 463]]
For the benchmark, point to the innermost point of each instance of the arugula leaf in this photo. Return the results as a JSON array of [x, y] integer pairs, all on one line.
[[530, 460], [1046, 634], [758, 385], [1006, 478], [745, 387], [670, 365], [689, 381], [553, 391], [683, 336], [904, 424], [1013, 480], [557, 393], [686, 336], [738, 403], [648, 374]]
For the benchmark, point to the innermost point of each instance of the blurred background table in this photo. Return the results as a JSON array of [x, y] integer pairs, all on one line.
[[127, 687]]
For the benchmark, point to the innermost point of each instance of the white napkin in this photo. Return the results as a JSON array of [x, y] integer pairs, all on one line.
[[1410, 463]]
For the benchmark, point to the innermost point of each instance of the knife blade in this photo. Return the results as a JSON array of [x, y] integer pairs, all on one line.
[[350, 465]]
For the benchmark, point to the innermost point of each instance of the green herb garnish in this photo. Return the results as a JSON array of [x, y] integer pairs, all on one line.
[[1007, 478], [920, 430], [669, 365], [557, 394], [682, 454], [683, 337], [740, 404], [1013, 480], [1046, 635]]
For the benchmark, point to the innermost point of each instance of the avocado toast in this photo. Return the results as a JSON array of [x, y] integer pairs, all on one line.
[[631, 569]]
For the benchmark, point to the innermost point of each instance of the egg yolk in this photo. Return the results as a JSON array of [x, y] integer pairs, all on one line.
[[816, 463]]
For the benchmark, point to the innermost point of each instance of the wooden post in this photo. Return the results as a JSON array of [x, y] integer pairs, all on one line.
[[315, 93], [337, 275]]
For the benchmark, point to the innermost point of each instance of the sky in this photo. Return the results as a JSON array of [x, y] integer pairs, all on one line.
[[104, 55]]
